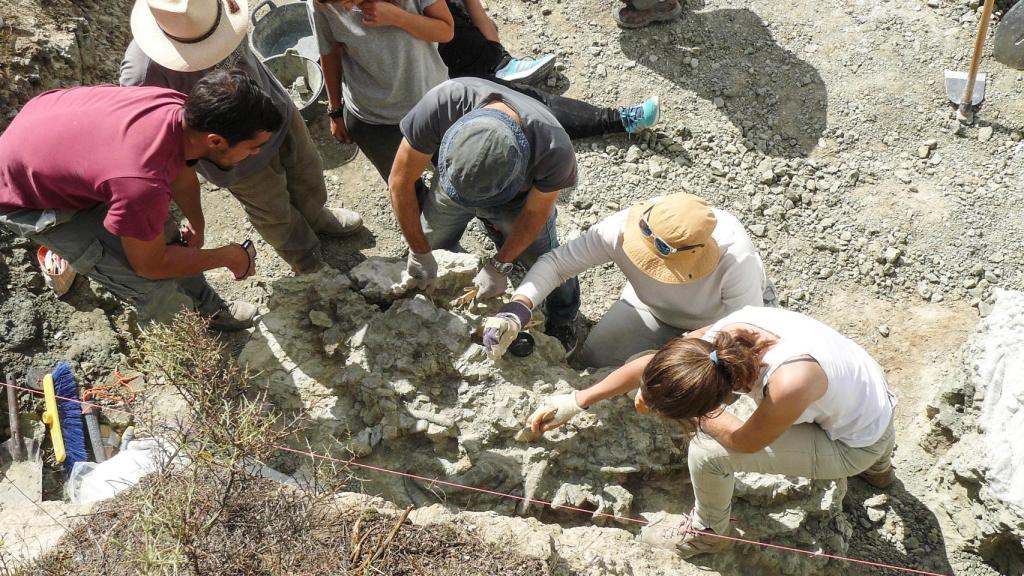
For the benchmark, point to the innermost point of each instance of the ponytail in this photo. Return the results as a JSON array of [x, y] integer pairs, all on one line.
[[689, 378]]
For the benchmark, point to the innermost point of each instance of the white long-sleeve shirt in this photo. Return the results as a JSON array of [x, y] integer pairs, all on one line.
[[738, 281]]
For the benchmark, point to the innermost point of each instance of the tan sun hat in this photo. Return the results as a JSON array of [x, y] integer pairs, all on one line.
[[680, 221], [189, 35]]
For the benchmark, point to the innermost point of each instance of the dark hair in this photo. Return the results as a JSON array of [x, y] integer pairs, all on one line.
[[683, 382], [230, 104]]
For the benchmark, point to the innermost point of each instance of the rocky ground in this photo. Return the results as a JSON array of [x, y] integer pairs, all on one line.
[[822, 125]]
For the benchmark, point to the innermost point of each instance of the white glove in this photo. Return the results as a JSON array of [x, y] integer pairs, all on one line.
[[423, 269], [501, 330], [489, 282], [553, 412]]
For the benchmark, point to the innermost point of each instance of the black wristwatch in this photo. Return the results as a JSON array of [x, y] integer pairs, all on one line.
[[503, 267], [336, 113]]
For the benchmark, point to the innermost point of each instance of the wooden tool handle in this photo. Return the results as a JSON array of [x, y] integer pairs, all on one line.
[[12, 413], [979, 45]]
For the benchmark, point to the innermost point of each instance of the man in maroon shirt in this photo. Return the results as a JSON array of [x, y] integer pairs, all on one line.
[[90, 173]]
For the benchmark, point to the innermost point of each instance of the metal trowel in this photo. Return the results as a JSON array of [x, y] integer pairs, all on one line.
[[1008, 40], [967, 90]]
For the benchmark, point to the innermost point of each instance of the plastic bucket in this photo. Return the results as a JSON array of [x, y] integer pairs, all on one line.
[[303, 80], [57, 273], [281, 29]]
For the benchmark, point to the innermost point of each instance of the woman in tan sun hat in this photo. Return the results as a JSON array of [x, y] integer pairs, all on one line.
[[686, 265]]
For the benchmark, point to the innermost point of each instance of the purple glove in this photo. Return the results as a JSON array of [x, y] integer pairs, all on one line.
[[501, 330]]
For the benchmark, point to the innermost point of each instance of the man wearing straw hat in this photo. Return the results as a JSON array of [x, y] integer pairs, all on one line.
[[177, 42], [90, 174], [686, 265]]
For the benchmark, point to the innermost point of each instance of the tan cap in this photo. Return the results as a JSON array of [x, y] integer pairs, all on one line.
[[679, 220], [189, 35]]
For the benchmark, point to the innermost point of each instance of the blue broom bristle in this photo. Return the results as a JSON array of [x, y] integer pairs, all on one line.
[[70, 413]]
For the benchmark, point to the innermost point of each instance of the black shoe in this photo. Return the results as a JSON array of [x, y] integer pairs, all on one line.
[[566, 334]]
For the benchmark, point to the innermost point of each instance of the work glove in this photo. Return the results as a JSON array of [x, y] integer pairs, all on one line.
[[553, 412], [489, 282], [422, 268], [501, 330]]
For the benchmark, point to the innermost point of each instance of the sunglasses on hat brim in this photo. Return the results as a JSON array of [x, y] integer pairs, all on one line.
[[663, 247]]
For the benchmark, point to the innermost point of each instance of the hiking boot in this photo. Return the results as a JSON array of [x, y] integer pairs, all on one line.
[[629, 17], [880, 480], [337, 222], [527, 70], [566, 334], [640, 116], [233, 316], [670, 532]]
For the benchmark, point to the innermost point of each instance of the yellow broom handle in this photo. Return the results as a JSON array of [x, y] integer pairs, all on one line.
[[52, 419]]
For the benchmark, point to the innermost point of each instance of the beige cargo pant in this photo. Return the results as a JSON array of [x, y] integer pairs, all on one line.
[[285, 200], [804, 450]]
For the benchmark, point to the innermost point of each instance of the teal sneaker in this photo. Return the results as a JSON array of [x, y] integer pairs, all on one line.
[[528, 71], [639, 116]]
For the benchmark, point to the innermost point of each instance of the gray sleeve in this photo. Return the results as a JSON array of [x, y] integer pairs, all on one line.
[[557, 169], [325, 40], [422, 5], [134, 66], [426, 123]]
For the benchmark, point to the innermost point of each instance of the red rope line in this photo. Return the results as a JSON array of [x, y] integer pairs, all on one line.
[[640, 521]]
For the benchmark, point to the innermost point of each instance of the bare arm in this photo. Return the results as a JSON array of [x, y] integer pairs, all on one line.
[[791, 389], [331, 64], [528, 224], [155, 260], [622, 380], [409, 164], [481, 20], [434, 25]]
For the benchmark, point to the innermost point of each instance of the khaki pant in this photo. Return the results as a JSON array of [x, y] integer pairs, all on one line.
[[285, 200], [804, 450]]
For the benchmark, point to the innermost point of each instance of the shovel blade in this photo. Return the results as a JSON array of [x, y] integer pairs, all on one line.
[[956, 82], [1008, 39]]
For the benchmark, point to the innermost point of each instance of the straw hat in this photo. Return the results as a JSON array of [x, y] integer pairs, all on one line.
[[679, 220], [189, 35]]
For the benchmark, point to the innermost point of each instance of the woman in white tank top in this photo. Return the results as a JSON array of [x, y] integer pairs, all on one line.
[[824, 411]]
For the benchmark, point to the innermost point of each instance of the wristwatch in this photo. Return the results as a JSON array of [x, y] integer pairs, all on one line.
[[503, 267], [336, 113]]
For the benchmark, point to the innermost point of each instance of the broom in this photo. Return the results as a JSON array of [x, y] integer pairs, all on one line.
[[70, 412]]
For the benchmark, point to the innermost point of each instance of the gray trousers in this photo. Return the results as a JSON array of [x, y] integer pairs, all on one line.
[[285, 200], [623, 332], [80, 238]]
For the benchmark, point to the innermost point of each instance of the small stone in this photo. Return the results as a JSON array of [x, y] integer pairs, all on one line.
[[933, 3], [633, 154], [767, 177], [718, 102], [693, 63], [877, 501], [904, 176], [892, 254], [883, 329], [984, 134], [758, 230], [546, 10], [321, 319], [931, 143], [1016, 136], [656, 169], [875, 515], [923, 152]]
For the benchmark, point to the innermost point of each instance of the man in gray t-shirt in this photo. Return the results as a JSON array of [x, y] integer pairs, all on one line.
[[502, 158], [282, 187]]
